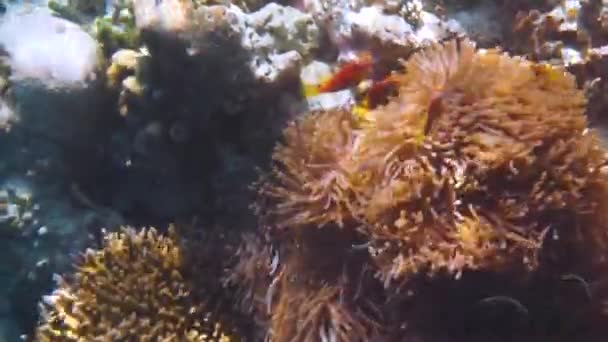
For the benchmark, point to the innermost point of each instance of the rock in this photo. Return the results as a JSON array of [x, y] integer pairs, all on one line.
[[275, 38], [389, 36], [53, 90], [165, 15], [373, 24], [51, 50], [480, 22], [329, 101]]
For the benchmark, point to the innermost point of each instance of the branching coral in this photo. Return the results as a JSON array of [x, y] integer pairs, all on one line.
[[132, 289]]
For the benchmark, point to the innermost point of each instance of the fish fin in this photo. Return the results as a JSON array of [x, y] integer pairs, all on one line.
[[310, 90], [420, 138], [365, 56], [360, 112], [314, 89], [422, 134]]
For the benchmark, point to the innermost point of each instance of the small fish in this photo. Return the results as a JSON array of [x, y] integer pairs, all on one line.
[[435, 109], [348, 76], [551, 72], [361, 113], [379, 92], [373, 94]]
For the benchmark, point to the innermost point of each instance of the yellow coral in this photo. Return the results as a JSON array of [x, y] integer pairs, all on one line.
[[132, 289]]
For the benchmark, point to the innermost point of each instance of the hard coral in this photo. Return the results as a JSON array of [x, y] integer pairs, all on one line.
[[132, 289]]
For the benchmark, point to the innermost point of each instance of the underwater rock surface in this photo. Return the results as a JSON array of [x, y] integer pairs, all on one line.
[[43, 47], [276, 38]]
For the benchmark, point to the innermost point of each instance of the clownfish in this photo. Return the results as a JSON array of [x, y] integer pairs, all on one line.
[[348, 75], [359, 76]]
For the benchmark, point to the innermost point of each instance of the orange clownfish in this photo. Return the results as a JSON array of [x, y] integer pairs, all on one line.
[[374, 94], [379, 92], [347, 76]]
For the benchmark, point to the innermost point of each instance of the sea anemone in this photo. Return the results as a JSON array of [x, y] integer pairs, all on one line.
[[132, 289], [481, 167], [473, 159], [321, 314], [312, 181], [321, 292], [250, 275]]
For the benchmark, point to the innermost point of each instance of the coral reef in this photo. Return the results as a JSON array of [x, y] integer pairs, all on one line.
[[390, 36], [133, 288], [184, 101], [52, 86], [463, 202], [51, 218], [447, 118]]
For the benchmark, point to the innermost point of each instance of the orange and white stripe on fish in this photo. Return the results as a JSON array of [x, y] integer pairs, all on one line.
[[349, 75]]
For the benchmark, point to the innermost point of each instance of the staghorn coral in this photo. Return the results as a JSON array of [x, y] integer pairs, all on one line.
[[133, 288]]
